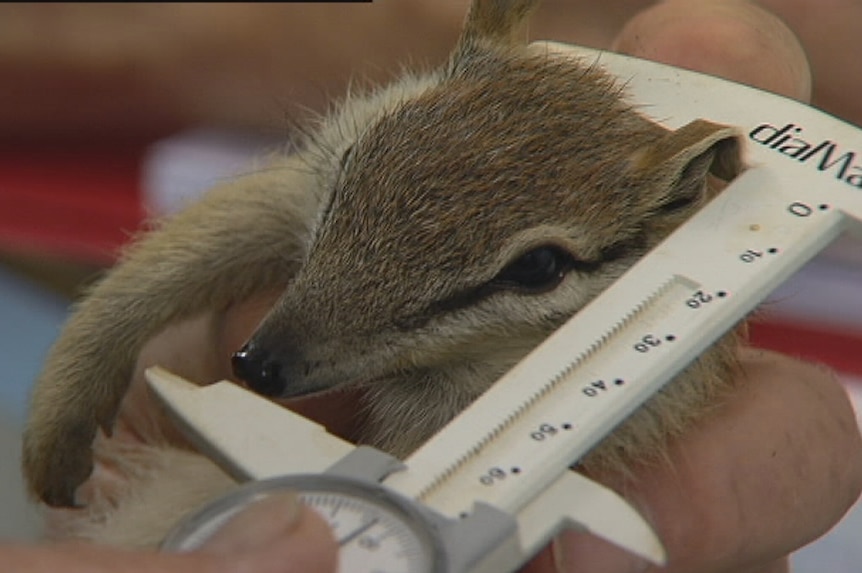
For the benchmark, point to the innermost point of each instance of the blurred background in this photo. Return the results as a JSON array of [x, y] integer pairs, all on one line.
[[110, 114]]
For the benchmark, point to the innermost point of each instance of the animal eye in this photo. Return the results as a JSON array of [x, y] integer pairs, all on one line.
[[538, 270]]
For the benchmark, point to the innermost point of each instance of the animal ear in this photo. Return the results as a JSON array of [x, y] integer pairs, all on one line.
[[678, 165], [498, 22]]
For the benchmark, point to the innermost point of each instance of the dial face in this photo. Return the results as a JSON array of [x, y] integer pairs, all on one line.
[[374, 537], [376, 532]]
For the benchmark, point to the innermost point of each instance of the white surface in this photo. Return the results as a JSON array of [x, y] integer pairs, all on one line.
[[180, 168]]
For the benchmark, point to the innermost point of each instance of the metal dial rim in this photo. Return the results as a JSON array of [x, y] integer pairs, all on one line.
[[194, 529]]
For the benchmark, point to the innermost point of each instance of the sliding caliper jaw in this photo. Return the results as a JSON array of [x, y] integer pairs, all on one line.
[[235, 428]]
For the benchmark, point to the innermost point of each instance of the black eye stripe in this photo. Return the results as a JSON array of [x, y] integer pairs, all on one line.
[[564, 262], [630, 246], [634, 245]]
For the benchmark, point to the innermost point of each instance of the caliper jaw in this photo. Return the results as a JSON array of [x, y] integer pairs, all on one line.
[[244, 433]]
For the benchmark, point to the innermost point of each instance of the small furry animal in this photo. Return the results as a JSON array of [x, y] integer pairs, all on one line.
[[426, 236]]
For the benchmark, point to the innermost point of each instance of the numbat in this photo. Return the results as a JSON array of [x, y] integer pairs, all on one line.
[[425, 237]]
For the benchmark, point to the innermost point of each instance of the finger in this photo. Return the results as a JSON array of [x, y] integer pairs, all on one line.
[[733, 39], [830, 34], [769, 471], [276, 535], [238, 323], [779, 566], [198, 349], [258, 526], [584, 553]]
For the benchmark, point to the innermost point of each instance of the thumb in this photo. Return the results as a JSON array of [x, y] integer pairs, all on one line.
[[276, 535], [734, 39]]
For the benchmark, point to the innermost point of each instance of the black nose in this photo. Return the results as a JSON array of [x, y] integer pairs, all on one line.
[[255, 367]]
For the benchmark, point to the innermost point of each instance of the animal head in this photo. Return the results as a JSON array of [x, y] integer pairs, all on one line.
[[466, 214]]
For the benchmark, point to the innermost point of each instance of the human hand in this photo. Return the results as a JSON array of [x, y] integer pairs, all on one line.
[[734, 39], [275, 536]]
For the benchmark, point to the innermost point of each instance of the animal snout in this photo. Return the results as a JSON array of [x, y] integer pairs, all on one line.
[[257, 368]]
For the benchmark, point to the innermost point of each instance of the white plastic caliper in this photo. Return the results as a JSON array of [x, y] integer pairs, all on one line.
[[492, 487]]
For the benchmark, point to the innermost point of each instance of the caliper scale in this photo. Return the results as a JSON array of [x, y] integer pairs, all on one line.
[[493, 487]]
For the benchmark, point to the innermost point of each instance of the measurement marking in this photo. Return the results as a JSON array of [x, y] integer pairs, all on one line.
[[547, 387], [358, 531]]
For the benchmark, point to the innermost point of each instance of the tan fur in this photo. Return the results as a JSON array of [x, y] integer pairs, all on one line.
[[388, 232], [151, 490]]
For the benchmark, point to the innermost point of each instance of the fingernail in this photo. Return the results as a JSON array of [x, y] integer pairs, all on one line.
[[257, 525], [577, 552]]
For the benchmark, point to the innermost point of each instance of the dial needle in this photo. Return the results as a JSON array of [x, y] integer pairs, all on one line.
[[357, 532]]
